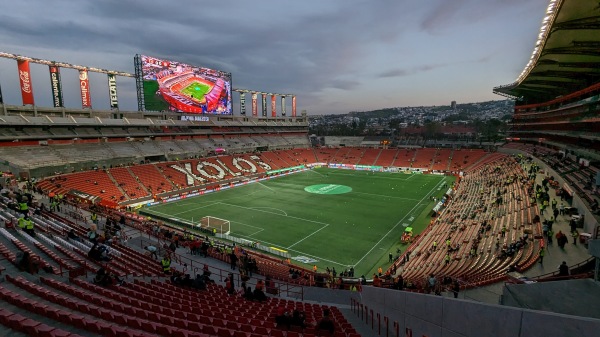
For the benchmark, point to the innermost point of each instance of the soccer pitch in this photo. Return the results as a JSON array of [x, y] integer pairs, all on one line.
[[196, 89], [340, 218]]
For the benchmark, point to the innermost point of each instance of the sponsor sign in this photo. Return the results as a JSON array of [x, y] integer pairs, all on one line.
[[112, 91], [273, 106], [243, 104], [84, 88], [254, 106], [57, 97], [283, 105], [328, 189], [304, 259], [25, 81], [264, 105], [195, 118], [293, 106]]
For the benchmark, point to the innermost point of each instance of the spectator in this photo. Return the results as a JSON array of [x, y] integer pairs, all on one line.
[[248, 294], [92, 235], [199, 282], [563, 269], [73, 236], [229, 284], [455, 288], [283, 318], [26, 263], [326, 323], [152, 251], [298, 318], [105, 278], [259, 293]]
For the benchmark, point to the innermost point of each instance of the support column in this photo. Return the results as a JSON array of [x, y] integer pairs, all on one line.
[[283, 105], [294, 106]]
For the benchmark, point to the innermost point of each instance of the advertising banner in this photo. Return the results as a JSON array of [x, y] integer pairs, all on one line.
[[57, 96], [283, 105], [243, 103], [25, 81], [293, 106], [84, 87], [112, 91], [273, 106], [254, 105], [264, 105]]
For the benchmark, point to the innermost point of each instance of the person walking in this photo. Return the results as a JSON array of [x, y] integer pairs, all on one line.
[[541, 254], [166, 264]]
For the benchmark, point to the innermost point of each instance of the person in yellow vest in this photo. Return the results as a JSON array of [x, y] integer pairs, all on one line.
[[315, 268], [26, 225], [166, 264], [379, 271], [23, 206], [94, 218]]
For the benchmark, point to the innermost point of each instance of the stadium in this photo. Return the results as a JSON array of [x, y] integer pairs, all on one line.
[[154, 222], [183, 88]]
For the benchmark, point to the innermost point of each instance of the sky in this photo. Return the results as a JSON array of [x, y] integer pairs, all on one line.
[[336, 56]]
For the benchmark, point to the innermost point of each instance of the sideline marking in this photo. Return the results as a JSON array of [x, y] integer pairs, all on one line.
[[265, 186], [396, 225], [385, 196], [306, 237]]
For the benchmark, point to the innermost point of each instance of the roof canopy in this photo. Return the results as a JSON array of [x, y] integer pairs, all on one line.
[[566, 57]]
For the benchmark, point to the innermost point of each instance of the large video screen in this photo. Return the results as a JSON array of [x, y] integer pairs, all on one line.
[[180, 87]]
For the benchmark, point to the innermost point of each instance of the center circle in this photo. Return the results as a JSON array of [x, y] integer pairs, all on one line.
[[328, 189]]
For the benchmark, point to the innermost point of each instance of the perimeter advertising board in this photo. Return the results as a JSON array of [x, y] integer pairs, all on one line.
[[175, 86]]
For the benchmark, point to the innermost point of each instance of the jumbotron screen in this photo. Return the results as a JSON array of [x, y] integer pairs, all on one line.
[[180, 87]]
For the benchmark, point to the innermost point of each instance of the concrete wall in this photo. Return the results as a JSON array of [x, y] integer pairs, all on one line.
[[435, 316]]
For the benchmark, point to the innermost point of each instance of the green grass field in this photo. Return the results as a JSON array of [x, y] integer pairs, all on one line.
[[152, 101], [357, 228], [196, 89]]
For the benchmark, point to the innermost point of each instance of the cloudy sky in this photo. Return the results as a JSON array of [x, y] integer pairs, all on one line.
[[335, 55]]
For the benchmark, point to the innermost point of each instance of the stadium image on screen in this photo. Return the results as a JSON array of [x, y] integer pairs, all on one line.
[[176, 86]]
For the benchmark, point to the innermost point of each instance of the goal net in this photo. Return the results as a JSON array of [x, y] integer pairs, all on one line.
[[215, 225]]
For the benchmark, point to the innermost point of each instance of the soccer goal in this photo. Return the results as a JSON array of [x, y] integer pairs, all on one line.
[[215, 225]]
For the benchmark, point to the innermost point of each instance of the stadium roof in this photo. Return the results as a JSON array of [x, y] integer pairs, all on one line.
[[566, 57]]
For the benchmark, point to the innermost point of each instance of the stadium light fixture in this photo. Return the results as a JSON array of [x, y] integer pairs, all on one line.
[[551, 12]]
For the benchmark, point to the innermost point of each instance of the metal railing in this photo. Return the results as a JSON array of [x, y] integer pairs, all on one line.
[[383, 322]]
